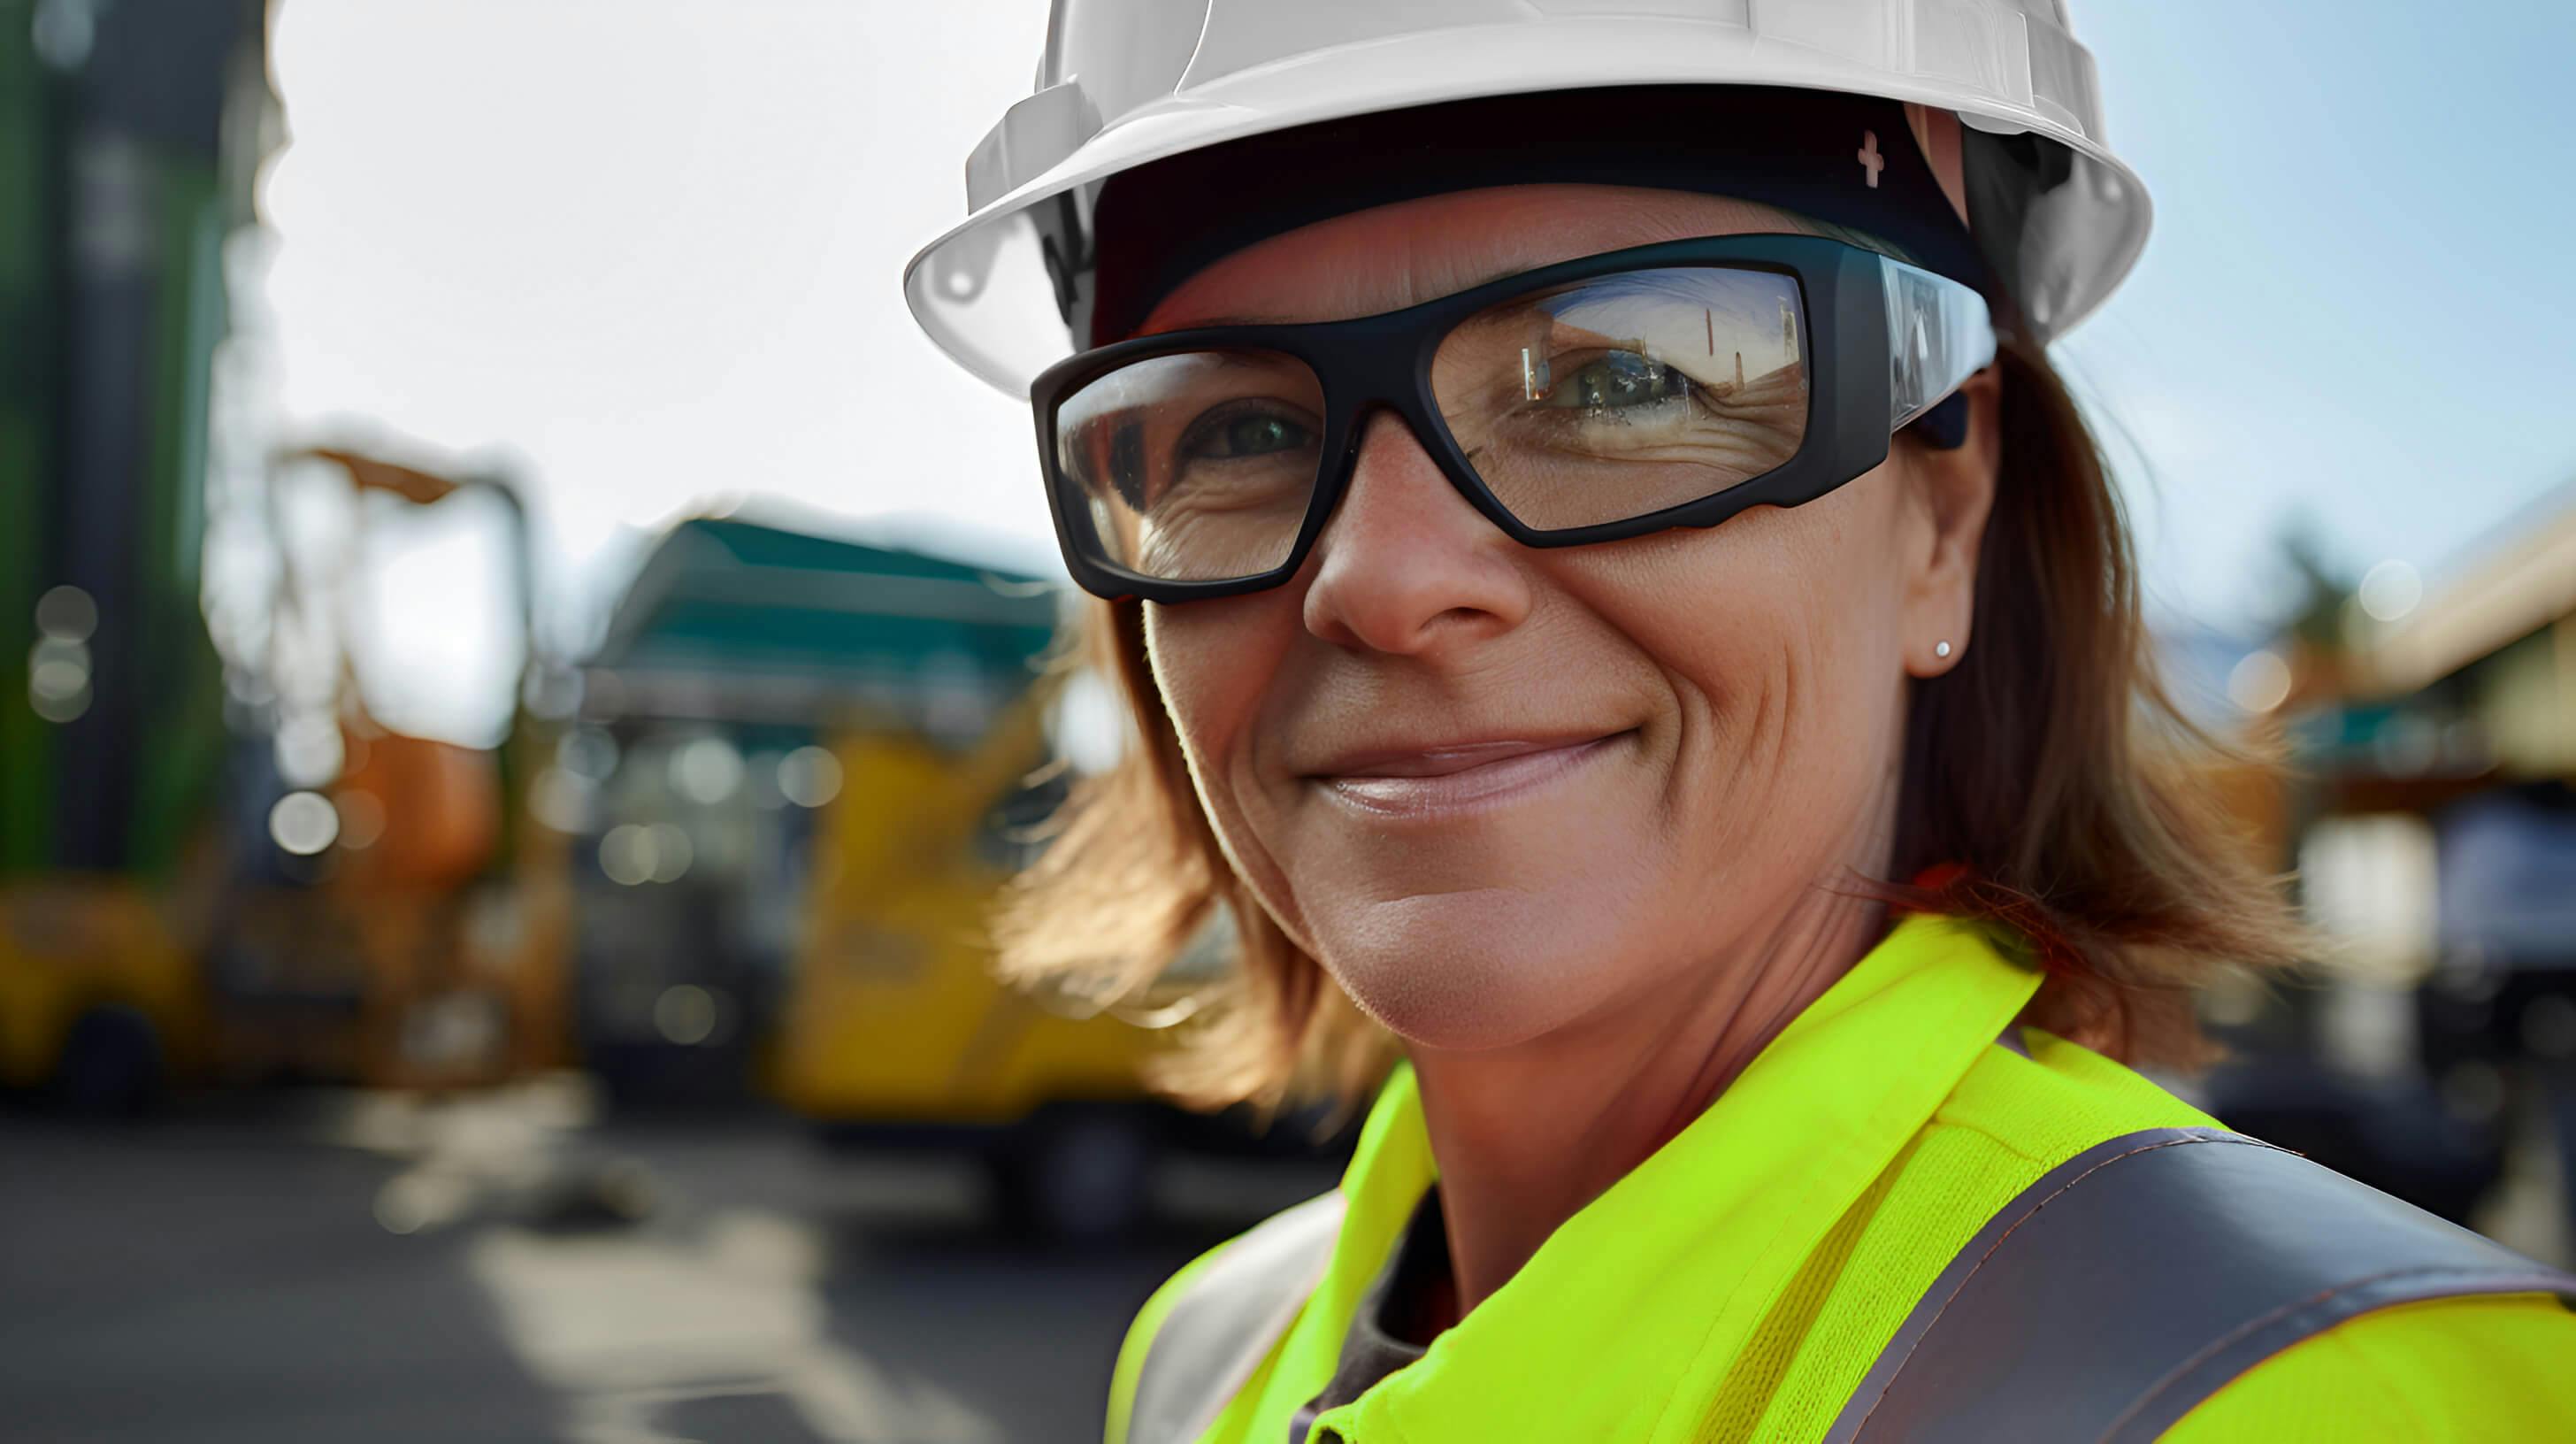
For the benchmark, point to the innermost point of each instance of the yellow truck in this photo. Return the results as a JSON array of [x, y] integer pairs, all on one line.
[[874, 712], [894, 1030], [100, 998]]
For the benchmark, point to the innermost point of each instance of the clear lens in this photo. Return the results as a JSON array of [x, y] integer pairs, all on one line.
[[1196, 466], [1627, 394]]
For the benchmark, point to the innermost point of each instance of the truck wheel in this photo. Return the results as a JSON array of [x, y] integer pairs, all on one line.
[[1076, 1174], [110, 1064]]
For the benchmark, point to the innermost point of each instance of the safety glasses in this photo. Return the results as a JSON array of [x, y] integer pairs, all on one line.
[[1602, 398]]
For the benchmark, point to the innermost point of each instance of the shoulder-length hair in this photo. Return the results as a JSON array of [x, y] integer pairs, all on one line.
[[2051, 787]]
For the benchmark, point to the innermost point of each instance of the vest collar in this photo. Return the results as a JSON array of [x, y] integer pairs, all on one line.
[[1625, 1322]]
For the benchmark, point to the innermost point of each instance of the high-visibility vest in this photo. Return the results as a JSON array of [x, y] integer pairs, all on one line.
[[2106, 1301], [1888, 1227]]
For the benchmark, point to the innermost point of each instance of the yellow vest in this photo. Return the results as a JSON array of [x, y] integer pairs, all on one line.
[[1739, 1283]]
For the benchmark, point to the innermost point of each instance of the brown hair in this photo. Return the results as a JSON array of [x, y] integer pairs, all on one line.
[[2051, 787]]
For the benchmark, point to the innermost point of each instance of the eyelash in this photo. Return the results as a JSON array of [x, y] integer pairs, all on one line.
[[1217, 416]]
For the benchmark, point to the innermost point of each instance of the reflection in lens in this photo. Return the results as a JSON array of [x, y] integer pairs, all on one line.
[[1195, 466], [1627, 394]]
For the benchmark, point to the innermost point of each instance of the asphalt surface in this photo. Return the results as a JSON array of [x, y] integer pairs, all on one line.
[[355, 1268]]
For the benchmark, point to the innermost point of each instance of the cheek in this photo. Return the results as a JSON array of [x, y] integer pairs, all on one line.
[[1206, 663], [1213, 662], [1759, 663], [1779, 637]]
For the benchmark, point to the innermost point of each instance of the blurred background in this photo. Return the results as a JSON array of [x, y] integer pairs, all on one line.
[[520, 671]]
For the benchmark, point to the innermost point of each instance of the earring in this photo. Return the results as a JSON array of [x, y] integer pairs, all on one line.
[[1941, 649]]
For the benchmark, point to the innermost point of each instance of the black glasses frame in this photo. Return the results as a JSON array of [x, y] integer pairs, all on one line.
[[1383, 362]]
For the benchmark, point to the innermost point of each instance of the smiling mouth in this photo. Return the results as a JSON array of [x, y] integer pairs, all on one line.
[[1451, 780]]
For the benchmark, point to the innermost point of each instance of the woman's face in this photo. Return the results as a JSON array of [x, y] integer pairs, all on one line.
[[1495, 790]]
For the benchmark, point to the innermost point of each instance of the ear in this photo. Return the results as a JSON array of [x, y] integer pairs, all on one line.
[[1951, 492]]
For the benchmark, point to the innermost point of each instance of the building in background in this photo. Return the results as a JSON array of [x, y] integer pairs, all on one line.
[[2430, 815], [2458, 746], [2440, 831]]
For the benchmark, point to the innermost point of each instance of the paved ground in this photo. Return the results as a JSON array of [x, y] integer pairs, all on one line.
[[369, 1270]]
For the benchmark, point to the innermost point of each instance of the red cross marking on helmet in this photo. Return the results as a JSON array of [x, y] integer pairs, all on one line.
[[1870, 160]]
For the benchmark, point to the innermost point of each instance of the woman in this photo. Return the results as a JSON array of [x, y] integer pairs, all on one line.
[[1621, 617]]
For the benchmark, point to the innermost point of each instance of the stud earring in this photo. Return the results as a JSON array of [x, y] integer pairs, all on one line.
[[1941, 649]]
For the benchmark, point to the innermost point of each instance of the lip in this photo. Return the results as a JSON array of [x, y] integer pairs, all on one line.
[[1429, 781]]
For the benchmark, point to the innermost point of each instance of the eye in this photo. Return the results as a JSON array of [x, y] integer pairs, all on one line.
[[1617, 381], [1243, 433]]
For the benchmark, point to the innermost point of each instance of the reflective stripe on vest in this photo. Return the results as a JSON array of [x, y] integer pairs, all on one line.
[[2127, 1285], [2141, 1276], [1218, 1332]]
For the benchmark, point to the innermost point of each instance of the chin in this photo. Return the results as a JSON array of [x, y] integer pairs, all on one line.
[[1471, 971]]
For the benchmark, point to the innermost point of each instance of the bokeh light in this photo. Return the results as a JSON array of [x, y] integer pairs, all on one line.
[[685, 1014], [67, 613], [2391, 590], [2259, 683], [809, 776], [634, 853], [562, 799], [58, 675], [303, 823], [310, 752], [706, 770]]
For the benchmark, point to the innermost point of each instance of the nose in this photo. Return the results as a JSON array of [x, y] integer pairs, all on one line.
[[1405, 565]]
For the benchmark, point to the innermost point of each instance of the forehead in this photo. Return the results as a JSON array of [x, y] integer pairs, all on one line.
[[1413, 251]]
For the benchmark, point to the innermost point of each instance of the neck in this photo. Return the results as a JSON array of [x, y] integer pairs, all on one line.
[[1527, 1136]]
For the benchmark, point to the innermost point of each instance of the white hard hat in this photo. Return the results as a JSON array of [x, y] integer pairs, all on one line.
[[1126, 82]]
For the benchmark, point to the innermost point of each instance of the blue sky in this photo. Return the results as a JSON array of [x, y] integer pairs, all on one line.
[[2358, 301], [647, 255]]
